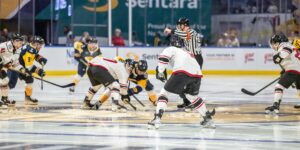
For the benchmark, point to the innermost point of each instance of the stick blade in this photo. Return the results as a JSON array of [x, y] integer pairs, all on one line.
[[247, 92]]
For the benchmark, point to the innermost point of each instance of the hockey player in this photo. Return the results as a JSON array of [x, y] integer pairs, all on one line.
[[30, 54], [186, 74], [111, 74], [296, 44], [9, 55], [288, 57], [139, 76], [192, 44], [84, 52]]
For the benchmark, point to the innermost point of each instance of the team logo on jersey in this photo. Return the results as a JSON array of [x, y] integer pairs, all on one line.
[[104, 8]]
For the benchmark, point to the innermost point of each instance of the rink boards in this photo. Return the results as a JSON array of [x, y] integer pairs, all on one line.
[[230, 61]]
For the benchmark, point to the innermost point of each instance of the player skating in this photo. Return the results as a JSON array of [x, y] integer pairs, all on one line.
[[186, 75], [191, 42], [85, 51], [288, 57], [30, 54], [10, 52], [138, 75], [296, 43], [109, 73]]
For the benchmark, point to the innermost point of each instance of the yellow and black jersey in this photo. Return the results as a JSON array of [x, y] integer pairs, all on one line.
[[138, 79], [296, 43], [82, 52], [28, 55]]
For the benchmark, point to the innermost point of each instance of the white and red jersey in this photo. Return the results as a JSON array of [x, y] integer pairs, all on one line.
[[181, 61], [115, 68], [291, 57], [9, 54]]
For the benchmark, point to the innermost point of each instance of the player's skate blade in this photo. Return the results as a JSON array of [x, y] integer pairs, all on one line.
[[274, 109], [87, 105], [30, 101], [207, 120], [297, 106]]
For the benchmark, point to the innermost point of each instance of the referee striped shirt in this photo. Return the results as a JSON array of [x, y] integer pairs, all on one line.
[[192, 41]]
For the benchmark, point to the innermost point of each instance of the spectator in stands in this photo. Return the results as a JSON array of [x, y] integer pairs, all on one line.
[[157, 40], [224, 41], [69, 36], [272, 8], [5, 35], [290, 25], [117, 39], [234, 41]]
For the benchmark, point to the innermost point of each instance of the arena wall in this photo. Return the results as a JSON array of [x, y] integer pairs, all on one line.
[[217, 61]]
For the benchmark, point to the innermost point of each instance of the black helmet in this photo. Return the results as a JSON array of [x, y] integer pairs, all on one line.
[[176, 41], [183, 21], [38, 39], [91, 40], [278, 38], [17, 36], [142, 65], [129, 62]]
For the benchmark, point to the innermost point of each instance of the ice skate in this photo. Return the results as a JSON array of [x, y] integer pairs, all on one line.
[[274, 109], [155, 123], [207, 120], [297, 106], [97, 105], [30, 101], [86, 104], [8, 103]]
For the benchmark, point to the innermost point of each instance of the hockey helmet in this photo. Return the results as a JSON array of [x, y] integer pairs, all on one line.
[[38, 39], [278, 38], [142, 65], [183, 21], [17, 36]]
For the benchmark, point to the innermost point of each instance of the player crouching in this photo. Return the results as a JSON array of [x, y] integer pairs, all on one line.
[[111, 74], [30, 54], [288, 57], [138, 75], [84, 53], [9, 55], [186, 74]]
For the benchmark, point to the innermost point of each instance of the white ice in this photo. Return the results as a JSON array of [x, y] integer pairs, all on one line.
[[48, 129]]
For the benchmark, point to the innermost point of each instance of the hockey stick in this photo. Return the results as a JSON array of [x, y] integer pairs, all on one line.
[[131, 105], [61, 86], [42, 83], [138, 100], [254, 93]]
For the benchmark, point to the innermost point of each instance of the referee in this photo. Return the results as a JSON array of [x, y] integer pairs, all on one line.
[[192, 43]]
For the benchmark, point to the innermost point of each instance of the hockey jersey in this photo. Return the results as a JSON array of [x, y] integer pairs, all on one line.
[[9, 54], [290, 56], [115, 68], [181, 61], [82, 52], [28, 55]]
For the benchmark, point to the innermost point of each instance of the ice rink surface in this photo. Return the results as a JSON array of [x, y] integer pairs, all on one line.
[[58, 123]]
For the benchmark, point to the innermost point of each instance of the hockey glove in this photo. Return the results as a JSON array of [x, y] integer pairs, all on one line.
[[41, 72], [25, 72], [277, 59], [162, 76], [125, 98], [43, 61]]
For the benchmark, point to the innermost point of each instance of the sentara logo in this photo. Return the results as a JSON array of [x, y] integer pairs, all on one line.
[[103, 8], [165, 4]]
